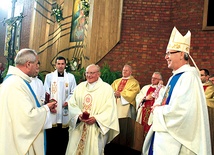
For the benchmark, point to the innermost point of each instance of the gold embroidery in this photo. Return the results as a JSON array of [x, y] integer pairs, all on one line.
[[165, 95], [54, 88], [81, 144], [147, 113], [86, 107], [87, 103], [122, 85]]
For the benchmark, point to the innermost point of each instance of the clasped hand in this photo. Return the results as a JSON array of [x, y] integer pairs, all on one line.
[[117, 94], [89, 121], [149, 97], [52, 106]]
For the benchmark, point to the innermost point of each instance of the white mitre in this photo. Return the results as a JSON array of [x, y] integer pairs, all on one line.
[[178, 42]]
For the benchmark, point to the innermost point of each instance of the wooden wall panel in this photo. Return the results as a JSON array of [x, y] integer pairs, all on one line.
[[40, 30], [52, 39], [105, 27]]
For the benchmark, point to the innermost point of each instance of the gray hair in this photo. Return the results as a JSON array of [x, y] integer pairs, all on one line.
[[25, 55], [186, 56], [130, 67], [96, 66], [211, 75], [158, 74]]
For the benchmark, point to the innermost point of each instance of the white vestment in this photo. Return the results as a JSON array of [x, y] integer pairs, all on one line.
[[184, 121], [60, 89], [99, 101], [21, 120], [38, 88], [139, 98]]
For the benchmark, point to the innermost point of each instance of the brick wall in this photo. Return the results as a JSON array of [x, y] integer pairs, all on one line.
[[146, 27]]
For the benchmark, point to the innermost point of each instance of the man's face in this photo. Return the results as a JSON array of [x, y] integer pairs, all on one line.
[[37, 70], [60, 65], [155, 79], [92, 74], [204, 78], [173, 59], [212, 79], [33, 68], [126, 71]]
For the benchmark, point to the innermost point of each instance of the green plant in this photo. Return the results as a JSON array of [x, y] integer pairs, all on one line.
[[73, 67], [41, 76], [79, 75], [4, 73], [85, 7], [57, 13], [107, 75]]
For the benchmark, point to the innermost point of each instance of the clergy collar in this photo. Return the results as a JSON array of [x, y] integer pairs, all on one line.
[[91, 85], [126, 77], [60, 74], [153, 85]]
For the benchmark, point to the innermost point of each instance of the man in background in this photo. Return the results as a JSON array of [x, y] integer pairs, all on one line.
[[38, 87], [22, 118], [125, 91], [208, 87], [60, 86], [92, 115], [146, 98], [211, 78], [209, 94]]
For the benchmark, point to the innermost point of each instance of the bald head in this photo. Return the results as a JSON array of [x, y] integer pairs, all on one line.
[[92, 73], [127, 71]]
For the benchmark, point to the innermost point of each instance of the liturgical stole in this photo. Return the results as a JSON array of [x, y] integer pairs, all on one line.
[[122, 85], [37, 103], [205, 87], [165, 101]]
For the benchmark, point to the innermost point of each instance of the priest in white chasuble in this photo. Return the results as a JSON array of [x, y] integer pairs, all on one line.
[[22, 118], [125, 91], [92, 115]]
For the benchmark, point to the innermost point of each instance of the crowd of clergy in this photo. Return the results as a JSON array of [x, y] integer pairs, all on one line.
[[62, 117]]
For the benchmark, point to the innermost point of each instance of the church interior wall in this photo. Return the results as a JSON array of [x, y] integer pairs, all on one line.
[[145, 31]]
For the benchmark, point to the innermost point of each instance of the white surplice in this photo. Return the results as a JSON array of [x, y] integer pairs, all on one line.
[[38, 88], [60, 89]]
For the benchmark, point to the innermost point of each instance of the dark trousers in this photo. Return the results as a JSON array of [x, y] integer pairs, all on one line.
[[57, 140]]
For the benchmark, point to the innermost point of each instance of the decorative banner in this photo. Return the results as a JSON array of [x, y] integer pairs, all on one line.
[[7, 40], [78, 22]]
